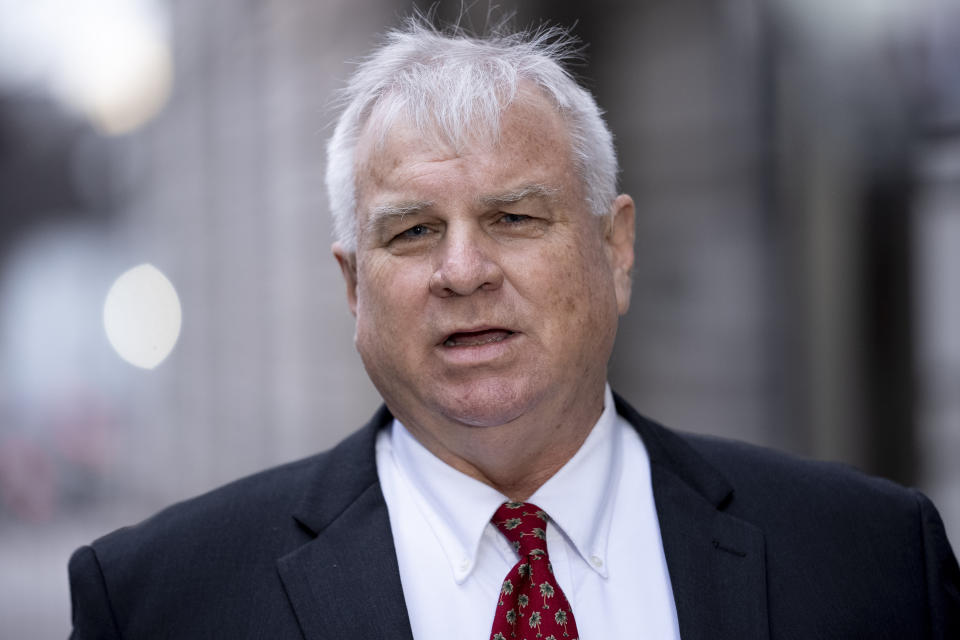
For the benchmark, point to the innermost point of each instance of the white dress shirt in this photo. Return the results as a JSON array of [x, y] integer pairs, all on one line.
[[603, 538]]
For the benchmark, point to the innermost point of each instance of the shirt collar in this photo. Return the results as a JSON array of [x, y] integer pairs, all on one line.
[[455, 506], [578, 498]]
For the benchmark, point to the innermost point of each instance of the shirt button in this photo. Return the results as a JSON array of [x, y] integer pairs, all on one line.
[[464, 564], [596, 561]]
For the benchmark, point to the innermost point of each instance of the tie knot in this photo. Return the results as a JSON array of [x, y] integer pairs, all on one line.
[[525, 526]]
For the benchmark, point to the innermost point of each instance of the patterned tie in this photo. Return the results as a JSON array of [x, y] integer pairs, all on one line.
[[531, 603]]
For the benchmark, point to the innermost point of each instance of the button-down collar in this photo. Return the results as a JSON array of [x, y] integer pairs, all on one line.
[[458, 508]]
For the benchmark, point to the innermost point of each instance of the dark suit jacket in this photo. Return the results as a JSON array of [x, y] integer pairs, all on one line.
[[758, 545]]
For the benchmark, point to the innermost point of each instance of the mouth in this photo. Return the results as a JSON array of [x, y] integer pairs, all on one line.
[[477, 338]]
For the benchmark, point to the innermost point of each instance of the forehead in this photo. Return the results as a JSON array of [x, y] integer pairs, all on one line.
[[530, 145]]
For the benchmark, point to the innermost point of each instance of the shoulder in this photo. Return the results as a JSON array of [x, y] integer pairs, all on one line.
[[755, 470], [797, 500], [803, 500], [239, 503], [837, 535], [730, 472], [244, 518], [772, 487], [826, 515], [212, 560], [746, 477], [254, 516]]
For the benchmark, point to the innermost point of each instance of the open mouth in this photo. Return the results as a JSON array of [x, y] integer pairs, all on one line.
[[477, 338]]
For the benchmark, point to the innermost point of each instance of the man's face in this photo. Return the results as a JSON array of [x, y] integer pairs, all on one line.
[[484, 289]]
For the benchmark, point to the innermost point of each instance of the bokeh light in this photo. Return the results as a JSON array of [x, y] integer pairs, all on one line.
[[109, 60], [142, 316]]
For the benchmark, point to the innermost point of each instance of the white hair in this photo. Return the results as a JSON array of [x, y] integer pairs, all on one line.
[[456, 86]]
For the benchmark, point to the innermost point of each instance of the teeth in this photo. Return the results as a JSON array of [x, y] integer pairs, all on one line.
[[476, 341]]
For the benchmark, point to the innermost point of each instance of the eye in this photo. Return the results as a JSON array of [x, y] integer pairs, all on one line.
[[414, 232], [514, 218], [520, 225]]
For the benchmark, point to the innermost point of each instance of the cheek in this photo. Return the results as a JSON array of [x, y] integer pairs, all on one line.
[[377, 331], [373, 302], [388, 297], [581, 291], [556, 282], [569, 291]]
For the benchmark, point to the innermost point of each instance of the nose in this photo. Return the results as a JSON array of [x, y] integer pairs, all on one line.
[[464, 266]]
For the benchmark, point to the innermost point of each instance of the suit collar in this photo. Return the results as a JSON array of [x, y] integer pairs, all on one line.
[[716, 561], [345, 582], [344, 473], [671, 451]]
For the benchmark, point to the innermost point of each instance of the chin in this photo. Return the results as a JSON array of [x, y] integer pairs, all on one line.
[[488, 404]]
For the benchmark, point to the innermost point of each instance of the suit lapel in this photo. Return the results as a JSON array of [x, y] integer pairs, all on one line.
[[715, 560], [345, 582], [716, 565]]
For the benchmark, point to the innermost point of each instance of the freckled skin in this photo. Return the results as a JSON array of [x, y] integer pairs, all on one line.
[[551, 273]]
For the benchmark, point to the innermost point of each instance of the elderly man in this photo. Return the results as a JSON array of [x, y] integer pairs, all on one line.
[[504, 491]]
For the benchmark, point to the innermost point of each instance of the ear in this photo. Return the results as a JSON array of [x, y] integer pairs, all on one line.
[[348, 267], [619, 246]]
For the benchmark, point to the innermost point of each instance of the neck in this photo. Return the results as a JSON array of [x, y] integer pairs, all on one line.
[[515, 458]]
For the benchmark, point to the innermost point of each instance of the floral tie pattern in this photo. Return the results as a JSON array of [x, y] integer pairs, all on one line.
[[531, 604]]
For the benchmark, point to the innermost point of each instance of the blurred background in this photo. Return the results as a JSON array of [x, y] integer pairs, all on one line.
[[796, 165]]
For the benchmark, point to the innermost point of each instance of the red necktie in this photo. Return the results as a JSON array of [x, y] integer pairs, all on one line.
[[531, 603]]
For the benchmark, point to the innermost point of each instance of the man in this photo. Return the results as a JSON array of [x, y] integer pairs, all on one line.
[[503, 490]]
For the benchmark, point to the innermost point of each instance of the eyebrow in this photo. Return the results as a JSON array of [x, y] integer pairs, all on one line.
[[381, 215], [512, 197]]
